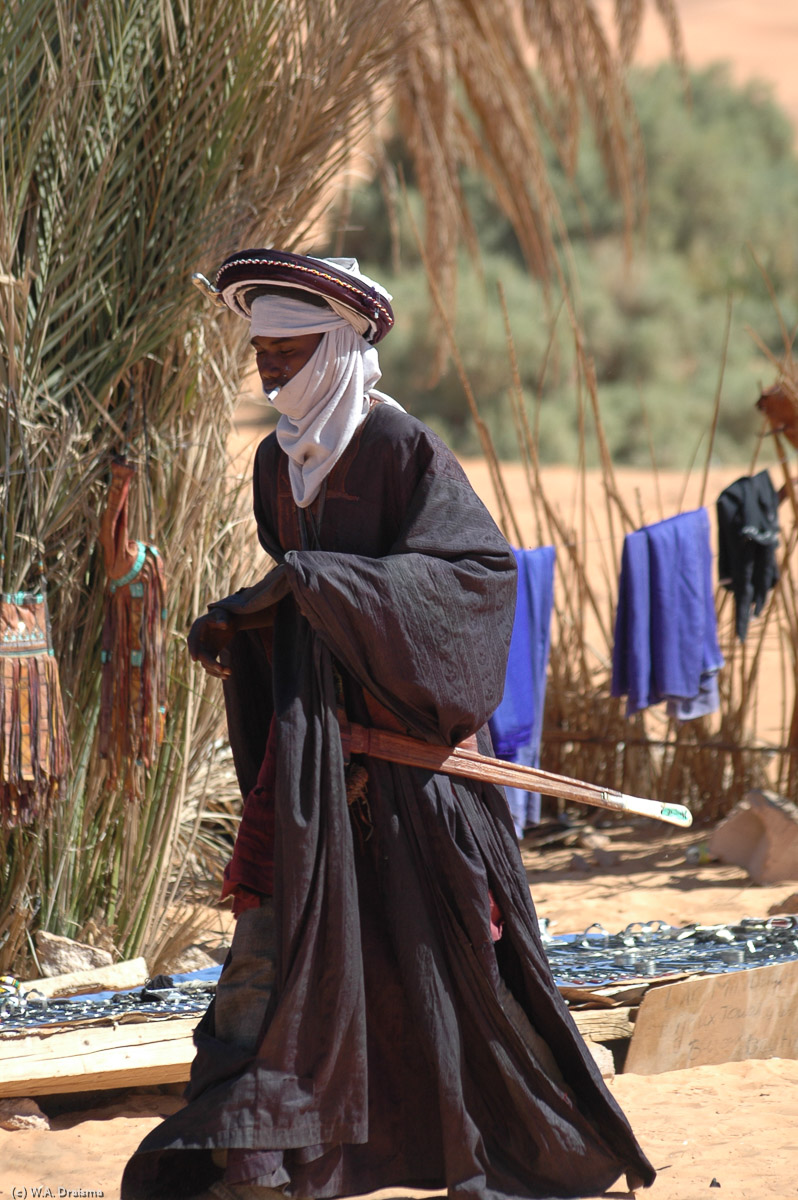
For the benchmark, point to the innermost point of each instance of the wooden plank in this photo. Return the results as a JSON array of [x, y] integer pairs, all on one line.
[[716, 1019], [97, 1057], [630, 992], [130, 1055], [133, 972], [604, 1024]]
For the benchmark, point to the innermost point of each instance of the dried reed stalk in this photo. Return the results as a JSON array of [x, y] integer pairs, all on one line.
[[708, 764]]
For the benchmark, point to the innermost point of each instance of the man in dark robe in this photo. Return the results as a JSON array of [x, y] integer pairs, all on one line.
[[386, 1016]]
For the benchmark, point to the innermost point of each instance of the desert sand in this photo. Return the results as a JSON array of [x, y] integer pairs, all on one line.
[[759, 41], [734, 1124]]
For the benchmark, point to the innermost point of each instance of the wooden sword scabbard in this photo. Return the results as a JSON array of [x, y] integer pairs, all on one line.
[[466, 761]]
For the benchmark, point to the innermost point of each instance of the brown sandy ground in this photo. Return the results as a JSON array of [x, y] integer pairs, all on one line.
[[734, 1123], [758, 38]]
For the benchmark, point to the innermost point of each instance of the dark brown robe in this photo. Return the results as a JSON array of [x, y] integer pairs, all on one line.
[[387, 1057]]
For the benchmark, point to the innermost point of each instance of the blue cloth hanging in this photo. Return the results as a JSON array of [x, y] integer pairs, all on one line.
[[666, 641], [517, 723]]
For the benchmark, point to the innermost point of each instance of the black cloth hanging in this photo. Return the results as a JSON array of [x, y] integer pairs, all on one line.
[[748, 534]]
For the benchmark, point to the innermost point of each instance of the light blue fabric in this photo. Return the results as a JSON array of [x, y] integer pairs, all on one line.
[[666, 642], [517, 723]]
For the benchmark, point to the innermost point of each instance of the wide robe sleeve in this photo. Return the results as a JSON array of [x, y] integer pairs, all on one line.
[[426, 628]]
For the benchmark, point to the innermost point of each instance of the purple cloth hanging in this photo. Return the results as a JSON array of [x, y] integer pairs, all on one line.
[[517, 723], [666, 643]]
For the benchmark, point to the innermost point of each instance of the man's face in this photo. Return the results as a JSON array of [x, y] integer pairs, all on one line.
[[279, 359]]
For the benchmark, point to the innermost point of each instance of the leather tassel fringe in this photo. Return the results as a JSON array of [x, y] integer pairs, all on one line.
[[34, 744]]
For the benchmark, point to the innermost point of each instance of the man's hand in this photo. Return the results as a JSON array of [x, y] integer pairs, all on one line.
[[208, 637]]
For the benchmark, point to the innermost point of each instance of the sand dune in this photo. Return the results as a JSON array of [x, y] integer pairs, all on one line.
[[759, 41]]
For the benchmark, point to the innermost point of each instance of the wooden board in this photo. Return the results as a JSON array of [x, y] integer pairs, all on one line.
[[151, 1052], [97, 1057], [630, 992], [716, 1019], [131, 973], [605, 1024]]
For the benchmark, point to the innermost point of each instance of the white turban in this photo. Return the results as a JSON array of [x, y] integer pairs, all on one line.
[[324, 404]]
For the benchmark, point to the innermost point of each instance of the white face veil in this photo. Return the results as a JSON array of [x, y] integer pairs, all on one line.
[[324, 404]]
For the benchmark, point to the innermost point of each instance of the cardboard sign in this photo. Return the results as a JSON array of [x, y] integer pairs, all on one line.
[[717, 1018]]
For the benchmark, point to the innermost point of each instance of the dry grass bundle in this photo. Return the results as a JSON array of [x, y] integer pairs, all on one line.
[[710, 763], [465, 97], [779, 403]]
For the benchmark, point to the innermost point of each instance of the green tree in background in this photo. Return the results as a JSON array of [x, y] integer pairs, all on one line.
[[722, 177]]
